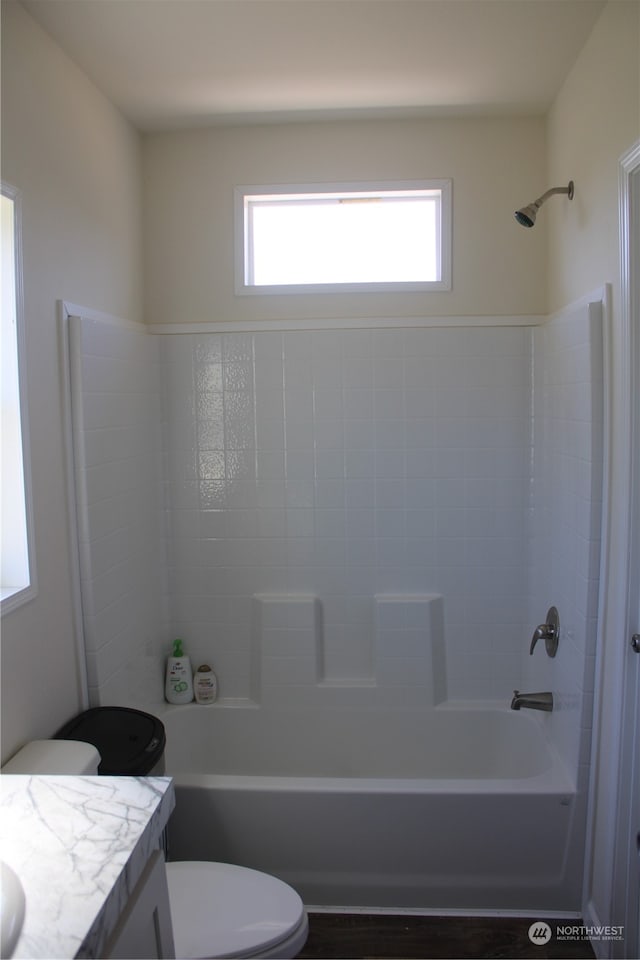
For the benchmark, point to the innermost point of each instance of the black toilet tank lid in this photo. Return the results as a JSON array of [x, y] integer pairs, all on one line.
[[130, 742]]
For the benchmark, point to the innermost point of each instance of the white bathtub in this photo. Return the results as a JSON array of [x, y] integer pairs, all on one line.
[[443, 809]]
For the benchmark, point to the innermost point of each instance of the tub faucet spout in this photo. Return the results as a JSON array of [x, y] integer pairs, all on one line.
[[532, 701]]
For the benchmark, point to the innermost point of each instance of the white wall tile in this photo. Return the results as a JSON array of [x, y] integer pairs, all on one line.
[[352, 463]]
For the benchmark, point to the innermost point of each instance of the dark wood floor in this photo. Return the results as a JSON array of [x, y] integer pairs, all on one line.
[[338, 936]]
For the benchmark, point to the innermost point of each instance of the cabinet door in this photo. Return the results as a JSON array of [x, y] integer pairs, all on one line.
[[144, 930]]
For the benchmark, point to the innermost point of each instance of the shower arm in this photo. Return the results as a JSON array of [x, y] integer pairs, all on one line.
[[550, 193]]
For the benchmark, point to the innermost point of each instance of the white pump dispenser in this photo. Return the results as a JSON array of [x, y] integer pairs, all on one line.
[[178, 686]]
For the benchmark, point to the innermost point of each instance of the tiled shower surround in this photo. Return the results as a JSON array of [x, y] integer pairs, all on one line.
[[387, 495], [346, 465]]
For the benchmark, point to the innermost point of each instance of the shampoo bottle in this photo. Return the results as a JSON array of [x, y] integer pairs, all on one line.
[[178, 686], [205, 684]]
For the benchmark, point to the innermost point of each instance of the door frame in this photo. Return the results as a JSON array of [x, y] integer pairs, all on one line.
[[626, 865], [610, 853]]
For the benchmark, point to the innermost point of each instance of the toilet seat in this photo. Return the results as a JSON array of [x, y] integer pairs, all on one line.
[[222, 910]]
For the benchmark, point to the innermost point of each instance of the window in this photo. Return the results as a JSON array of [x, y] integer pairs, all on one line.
[[343, 237], [17, 583]]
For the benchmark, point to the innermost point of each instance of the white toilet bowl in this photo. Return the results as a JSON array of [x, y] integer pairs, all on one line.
[[217, 909]]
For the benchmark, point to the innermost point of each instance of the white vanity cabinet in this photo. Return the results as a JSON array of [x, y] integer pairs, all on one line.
[[144, 929]]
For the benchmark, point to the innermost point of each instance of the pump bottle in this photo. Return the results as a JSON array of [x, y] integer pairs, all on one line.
[[178, 686]]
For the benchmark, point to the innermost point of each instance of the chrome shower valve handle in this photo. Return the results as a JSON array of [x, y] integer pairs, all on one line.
[[549, 632]]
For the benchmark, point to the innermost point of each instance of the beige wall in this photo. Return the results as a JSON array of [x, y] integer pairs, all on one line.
[[594, 120], [76, 162], [496, 165]]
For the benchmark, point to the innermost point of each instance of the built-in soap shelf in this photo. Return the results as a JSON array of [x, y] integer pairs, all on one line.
[[407, 647], [409, 642]]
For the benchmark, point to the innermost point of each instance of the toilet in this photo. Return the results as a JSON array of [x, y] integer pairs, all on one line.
[[217, 909]]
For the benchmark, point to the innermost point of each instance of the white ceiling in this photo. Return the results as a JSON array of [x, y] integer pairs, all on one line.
[[177, 63]]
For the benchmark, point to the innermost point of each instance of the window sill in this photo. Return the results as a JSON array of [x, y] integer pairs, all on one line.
[[13, 597]]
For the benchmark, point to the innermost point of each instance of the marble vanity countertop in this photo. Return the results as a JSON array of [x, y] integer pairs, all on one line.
[[79, 846]]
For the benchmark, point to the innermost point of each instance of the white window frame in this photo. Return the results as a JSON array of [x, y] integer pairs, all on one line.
[[242, 195], [13, 595]]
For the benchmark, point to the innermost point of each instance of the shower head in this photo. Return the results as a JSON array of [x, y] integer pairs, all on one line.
[[527, 215]]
